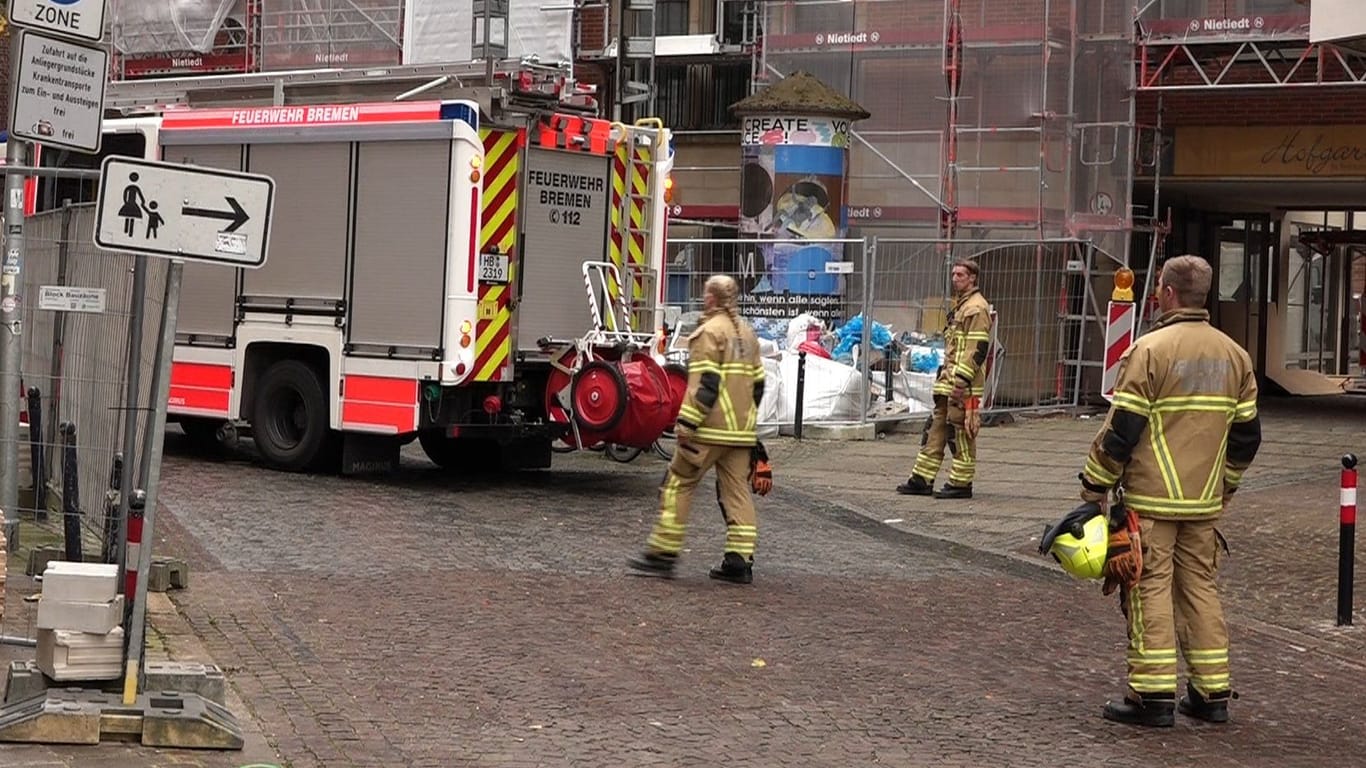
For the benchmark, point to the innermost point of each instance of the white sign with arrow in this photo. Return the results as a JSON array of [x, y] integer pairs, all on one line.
[[184, 212]]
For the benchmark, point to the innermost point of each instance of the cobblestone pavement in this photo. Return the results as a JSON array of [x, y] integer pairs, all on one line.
[[426, 620]]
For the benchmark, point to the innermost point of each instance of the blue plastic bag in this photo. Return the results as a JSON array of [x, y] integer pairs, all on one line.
[[925, 359], [851, 334]]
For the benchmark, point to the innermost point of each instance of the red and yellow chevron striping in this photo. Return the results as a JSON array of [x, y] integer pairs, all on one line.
[[631, 165], [498, 229]]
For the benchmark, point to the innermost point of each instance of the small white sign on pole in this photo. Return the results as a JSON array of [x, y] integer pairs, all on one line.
[[57, 97], [184, 212], [76, 18], [69, 298]]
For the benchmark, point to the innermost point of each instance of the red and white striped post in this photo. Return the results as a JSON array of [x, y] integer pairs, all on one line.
[[1347, 524], [1119, 329], [137, 508]]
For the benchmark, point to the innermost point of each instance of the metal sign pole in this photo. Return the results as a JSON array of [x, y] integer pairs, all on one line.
[[11, 286], [154, 440]]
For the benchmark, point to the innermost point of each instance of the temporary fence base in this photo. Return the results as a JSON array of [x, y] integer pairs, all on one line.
[[89, 716]]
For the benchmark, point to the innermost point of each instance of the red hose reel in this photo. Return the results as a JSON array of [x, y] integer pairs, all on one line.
[[630, 402]]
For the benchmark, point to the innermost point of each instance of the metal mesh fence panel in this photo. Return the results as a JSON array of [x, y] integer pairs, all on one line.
[[79, 313], [1034, 287], [798, 295]]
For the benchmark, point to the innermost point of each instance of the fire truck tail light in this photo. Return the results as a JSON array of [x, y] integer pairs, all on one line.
[[474, 175], [459, 369], [466, 326], [465, 340], [669, 188]]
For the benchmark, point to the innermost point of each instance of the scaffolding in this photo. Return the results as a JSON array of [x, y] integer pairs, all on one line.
[[169, 37]]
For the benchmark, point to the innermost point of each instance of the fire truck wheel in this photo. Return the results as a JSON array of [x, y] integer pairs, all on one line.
[[289, 417]]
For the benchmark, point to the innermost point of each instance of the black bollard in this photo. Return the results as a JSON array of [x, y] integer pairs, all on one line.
[[111, 511], [801, 394], [35, 442], [1347, 525], [888, 365], [71, 497]]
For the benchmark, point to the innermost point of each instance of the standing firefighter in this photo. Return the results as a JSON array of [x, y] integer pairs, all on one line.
[[957, 393], [715, 429], [1182, 429]]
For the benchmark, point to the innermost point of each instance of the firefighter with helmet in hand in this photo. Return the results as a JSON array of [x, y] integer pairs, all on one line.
[[1181, 431]]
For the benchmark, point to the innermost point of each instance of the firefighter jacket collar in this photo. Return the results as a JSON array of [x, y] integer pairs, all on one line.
[[1181, 315], [962, 297]]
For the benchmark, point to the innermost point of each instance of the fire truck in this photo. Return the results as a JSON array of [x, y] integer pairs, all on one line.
[[478, 272]]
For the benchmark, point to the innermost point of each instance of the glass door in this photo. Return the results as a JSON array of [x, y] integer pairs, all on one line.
[[1240, 252]]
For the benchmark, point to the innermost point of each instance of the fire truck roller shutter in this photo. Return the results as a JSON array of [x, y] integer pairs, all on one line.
[[397, 294], [308, 226], [564, 215], [208, 293]]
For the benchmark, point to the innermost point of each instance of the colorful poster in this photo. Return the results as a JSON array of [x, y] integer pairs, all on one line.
[[793, 185]]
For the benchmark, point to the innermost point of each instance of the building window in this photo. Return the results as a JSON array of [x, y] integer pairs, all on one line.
[[697, 97], [671, 17]]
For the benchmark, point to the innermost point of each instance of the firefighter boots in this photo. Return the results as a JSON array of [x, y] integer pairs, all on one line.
[[915, 486], [951, 491], [734, 568], [1211, 710], [656, 564], [1155, 710]]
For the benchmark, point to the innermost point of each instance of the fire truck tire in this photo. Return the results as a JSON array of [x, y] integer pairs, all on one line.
[[443, 451], [289, 417]]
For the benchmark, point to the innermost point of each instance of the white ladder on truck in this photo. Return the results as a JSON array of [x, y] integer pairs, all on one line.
[[647, 131]]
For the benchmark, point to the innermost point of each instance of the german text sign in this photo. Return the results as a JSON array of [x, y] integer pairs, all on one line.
[[76, 18], [58, 93]]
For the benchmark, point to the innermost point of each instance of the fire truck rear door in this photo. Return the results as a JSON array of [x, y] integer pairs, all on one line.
[[564, 215]]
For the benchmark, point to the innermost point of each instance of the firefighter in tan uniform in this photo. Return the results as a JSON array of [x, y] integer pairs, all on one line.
[[716, 428], [1182, 429], [957, 393]]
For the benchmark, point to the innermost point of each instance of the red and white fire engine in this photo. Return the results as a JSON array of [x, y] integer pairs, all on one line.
[[483, 277]]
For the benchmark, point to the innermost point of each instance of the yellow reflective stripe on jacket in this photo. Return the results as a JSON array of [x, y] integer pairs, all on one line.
[[690, 413], [1166, 467], [727, 409], [1098, 473], [1216, 472], [1245, 411], [724, 436], [1232, 476], [1194, 403], [1174, 507], [1133, 403]]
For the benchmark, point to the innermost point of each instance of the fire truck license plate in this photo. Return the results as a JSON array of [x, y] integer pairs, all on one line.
[[493, 268]]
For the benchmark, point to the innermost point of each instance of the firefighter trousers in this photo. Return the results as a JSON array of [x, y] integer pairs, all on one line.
[[690, 462], [945, 428], [1177, 601]]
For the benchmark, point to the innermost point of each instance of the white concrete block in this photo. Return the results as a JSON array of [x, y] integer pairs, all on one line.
[[64, 655], [96, 618], [80, 582]]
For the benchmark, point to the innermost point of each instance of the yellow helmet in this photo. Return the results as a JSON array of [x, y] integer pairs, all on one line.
[[1079, 541]]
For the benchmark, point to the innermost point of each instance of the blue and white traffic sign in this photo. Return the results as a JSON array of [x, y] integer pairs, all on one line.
[[83, 19]]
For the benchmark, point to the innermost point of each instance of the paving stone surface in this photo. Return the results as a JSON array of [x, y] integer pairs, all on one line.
[[430, 620]]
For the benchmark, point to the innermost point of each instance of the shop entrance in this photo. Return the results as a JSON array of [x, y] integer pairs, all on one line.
[[1241, 249]]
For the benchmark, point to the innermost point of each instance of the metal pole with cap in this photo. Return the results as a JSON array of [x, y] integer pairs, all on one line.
[[11, 286], [1347, 525]]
